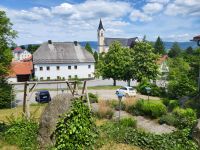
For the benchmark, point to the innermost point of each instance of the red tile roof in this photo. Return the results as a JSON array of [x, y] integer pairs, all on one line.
[[21, 68], [18, 49], [162, 59]]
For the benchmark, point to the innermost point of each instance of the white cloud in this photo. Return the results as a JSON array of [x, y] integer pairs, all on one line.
[[137, 15], [152, 8], [159, 1], [184, 7]]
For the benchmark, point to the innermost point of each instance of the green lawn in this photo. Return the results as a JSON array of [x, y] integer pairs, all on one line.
[[107, 87]]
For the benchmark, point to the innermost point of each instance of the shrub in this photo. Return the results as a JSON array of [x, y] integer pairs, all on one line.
[[150, 108], [165, 101], [22, 132], [76, 129], [173, 104], [155, 90], [92, 97], [128, 122], [115, 105], [129, 102], [104, 111], [6, 94], [178, 140], [185, 118], [168, 119]]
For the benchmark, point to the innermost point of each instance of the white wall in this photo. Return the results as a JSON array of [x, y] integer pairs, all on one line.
[[82, 71], [21, 56], [12, 79]]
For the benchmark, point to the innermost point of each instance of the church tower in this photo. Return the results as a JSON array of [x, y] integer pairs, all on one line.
[[100, 36]]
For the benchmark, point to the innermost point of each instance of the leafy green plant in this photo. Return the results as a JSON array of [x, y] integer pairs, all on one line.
[[76, 129], [168, 119], [149, 108], [173, 104], [115, 105], [178, 140], [128, 122], [22, 132], [92, 97]]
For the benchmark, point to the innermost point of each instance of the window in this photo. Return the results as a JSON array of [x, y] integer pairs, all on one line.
[[89, 75], [58, 67], [89, 66], [75, 76], [69, 77], [101, 34], [48, 68], [69, 67], [41, 68], [41, 78], [75, 67], [48, 78]]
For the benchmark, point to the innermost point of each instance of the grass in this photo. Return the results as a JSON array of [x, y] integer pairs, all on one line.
[[118, 146], [5, 146], [107, 87], [35, 109]]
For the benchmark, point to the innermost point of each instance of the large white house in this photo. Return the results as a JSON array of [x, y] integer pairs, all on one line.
[[62, 60], [20, 54], [105, 42]]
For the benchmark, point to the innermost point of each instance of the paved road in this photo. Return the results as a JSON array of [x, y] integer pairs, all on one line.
[[96, 82], [102, 94]]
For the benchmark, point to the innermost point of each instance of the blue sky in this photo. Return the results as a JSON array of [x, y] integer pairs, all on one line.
[[68, 20]]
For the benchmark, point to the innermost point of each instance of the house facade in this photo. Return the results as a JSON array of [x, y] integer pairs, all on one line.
[[62, 60], [20, 54], [105, 42]]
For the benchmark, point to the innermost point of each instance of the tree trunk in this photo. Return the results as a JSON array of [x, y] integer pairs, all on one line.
[[129, 82], [114, 82]]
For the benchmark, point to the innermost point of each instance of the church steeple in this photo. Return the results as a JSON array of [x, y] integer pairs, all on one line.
[[100, 25]]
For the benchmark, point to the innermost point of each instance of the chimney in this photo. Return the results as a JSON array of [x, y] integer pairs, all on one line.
[[75, 43], [49, 42]]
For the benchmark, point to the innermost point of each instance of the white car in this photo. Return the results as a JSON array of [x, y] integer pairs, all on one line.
[[128, 91]]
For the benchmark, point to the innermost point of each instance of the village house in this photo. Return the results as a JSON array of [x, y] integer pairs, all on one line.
[[105, 42], [62, 60], [20, 54]]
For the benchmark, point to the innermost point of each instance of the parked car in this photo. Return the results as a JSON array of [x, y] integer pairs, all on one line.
[[128, 91], [42, 96]]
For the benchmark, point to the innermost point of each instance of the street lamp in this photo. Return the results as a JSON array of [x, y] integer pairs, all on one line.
[[148, 89], [120, 95]]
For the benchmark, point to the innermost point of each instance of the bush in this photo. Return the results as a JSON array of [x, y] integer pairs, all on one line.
[[22, 132], [129, 102], [104, 111], [76, 129], [128, 122], [185, 118], [168, 119], [92, 97], [115, 105], [165, 101], [6, 94], [173, 104], [155, 90], [149, 108], [178, 140]]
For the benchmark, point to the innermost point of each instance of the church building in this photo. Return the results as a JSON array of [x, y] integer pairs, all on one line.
[[105, 42]]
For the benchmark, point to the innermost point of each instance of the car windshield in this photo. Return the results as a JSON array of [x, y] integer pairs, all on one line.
[[131, 89], [44, 93]]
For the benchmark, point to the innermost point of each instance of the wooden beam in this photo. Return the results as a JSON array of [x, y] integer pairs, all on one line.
[[75, 84], [83, 89], [69, 86]]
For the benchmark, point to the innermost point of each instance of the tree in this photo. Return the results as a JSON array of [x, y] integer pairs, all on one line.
[[116, 63], [88, 48], [175, 50], [159, 47], [6, 36], [32, 48], [96, 56], [144, 62], [189, 50], [22, 47]]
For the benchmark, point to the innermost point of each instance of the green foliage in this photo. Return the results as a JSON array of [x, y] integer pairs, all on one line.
[[76, 129], [185, 117], [115, 104], [96, 57], [88, 48], [144, 61], [180, 118], [6, 36], [175, 50], [128, 122], [155, 90], [32, 48], [165, 101], [6, 94], [159, 47], [22, 132], [92, 97], [178, 140], [189, 50], [149, 108], [173, 104]]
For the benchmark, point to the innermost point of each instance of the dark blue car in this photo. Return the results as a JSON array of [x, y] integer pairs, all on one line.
[[42, 96]]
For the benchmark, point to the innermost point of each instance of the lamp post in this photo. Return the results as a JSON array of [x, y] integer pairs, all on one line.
[[120, 95], [148, 89]]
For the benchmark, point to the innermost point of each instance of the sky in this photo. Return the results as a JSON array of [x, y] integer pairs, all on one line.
[[38, 21]]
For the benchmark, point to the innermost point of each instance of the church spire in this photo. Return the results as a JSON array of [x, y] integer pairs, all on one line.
[[100, 25]]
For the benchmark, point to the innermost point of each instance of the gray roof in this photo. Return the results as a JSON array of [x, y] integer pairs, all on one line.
[[124, 41], [61, 52]]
